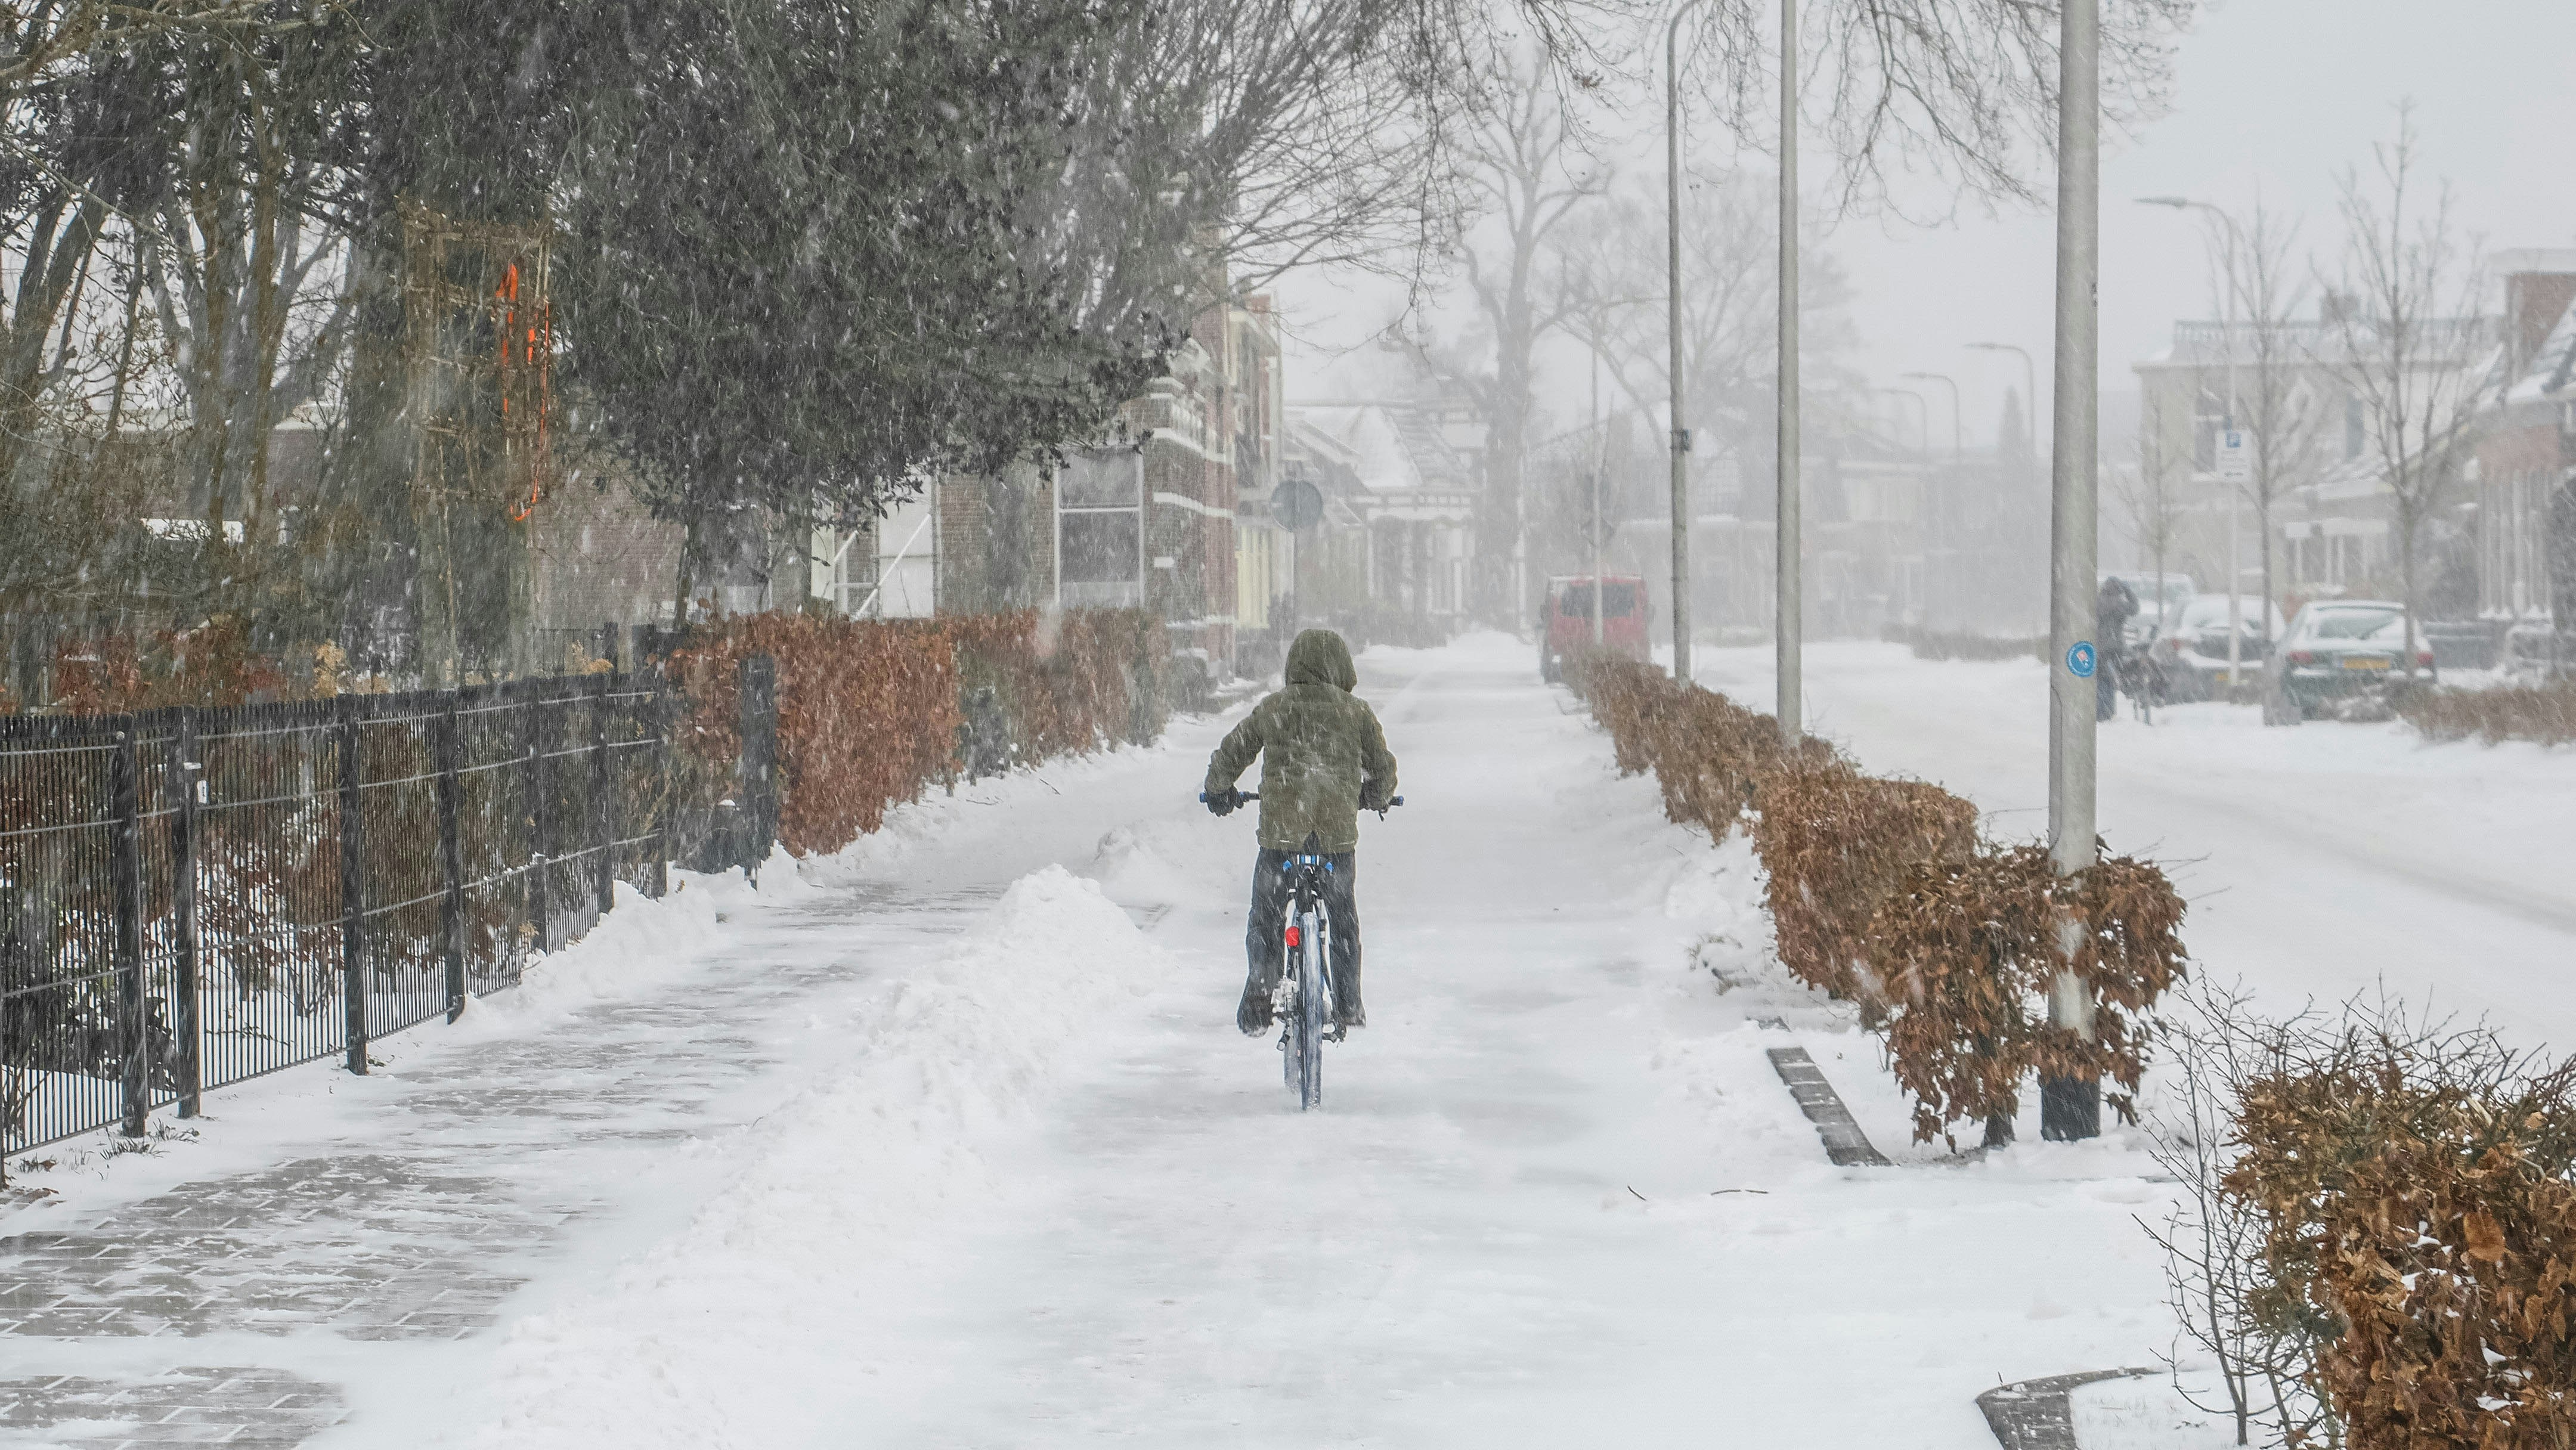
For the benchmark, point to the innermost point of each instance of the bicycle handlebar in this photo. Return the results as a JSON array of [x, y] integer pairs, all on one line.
[[1254, 795]]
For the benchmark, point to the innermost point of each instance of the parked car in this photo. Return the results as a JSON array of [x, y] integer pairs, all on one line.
[[2335, 654], [2192, 646], [1569, 620], [2158, 595]]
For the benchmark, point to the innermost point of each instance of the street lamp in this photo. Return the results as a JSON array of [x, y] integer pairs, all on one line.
[[1922, 417], [1789, 608], [1673, 337], [1945, 380], [2227, 340]]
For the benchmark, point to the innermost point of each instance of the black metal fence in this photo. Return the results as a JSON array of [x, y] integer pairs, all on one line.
[[192, 898]]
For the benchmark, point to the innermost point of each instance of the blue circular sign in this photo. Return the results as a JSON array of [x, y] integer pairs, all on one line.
[[2079, 659]]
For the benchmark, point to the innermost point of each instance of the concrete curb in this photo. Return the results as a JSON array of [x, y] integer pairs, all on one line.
[[1845, 1143], [2034, 1415]]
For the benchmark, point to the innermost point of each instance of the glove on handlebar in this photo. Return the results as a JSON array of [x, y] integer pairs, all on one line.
[[1222, 802]]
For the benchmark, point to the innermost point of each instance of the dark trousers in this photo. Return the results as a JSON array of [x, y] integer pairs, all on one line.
[[1273, 891]]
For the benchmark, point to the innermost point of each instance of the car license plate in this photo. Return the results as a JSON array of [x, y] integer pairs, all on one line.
[[2368, 662]]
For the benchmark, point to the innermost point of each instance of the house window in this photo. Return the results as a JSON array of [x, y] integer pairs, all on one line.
[[1100, 530], [2352, 431]]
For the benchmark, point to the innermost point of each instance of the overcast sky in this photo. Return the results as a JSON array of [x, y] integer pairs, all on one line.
[[2274, 97]]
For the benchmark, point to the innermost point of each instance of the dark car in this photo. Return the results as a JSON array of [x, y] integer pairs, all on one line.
[[2338, 651], [2192, 646]]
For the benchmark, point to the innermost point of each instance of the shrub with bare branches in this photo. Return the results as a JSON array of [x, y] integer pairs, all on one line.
[[2545, 713]]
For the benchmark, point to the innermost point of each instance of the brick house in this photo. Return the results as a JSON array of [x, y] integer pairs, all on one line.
[[2525, 474], [1172, 517]]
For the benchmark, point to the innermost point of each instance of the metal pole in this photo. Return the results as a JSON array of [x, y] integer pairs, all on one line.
[[187, 778], [603, 803], [2072, 1107], [1600, 456], [1957, 449], [2235, 490], [450, 799], [1788, 633], [1673, 340], [353, 888], [125, 878]]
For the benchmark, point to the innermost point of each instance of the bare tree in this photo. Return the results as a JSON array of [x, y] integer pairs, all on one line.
[[2146, 495], [2276, 389], [2226, 1301], [1612, 264], [1524, 167], [1962, 87], [2406, 340]]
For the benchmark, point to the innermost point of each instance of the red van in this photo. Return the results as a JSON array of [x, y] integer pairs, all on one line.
[[1569, 620]]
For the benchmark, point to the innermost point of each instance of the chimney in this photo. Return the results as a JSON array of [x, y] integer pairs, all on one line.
[[2539, 283]]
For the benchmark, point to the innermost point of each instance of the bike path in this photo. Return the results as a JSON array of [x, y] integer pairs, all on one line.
[[884, 1164]]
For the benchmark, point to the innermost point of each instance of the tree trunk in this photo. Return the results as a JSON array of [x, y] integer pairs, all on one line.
[[2263, 611], [2406, 585]]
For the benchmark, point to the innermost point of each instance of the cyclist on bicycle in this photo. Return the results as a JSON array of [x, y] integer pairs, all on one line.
[[1323, 761]]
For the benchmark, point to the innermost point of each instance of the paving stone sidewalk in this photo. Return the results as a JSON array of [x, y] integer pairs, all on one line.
[[412, 1235]]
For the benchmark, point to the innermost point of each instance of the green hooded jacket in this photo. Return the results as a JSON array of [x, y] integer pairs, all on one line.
[[1321, 750]]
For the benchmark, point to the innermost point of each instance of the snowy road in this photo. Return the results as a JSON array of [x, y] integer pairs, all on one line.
[[2320, 861], [987, 1165]]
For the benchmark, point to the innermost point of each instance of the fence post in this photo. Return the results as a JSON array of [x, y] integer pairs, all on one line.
[[658, 706], [541, 817], [187, 780], [353, 890], [125, 874], [444, 748], [759, 815], [603, 809]]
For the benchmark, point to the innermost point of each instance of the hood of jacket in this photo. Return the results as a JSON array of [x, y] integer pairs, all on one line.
[[1319, 657]]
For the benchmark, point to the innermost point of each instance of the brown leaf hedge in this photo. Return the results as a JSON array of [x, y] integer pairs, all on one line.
[[871, 714], [1966, 951], [2545, 713], [2418, 1194], [1881, 894]]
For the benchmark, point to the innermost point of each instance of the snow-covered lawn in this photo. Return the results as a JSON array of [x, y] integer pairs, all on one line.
[[998, 1171], [2321, 861]]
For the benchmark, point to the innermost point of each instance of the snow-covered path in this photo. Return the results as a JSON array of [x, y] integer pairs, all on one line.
[[2320, 862], [986, 1164]]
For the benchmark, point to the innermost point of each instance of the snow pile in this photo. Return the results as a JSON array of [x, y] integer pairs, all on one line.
[[640, 947], [945, 1072]]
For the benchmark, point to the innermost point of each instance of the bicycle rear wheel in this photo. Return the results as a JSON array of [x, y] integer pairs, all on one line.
[[1310, 1019]]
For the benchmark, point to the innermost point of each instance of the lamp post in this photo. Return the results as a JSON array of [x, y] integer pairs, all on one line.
[[1789, 630], [1681, 440], [1945, 380], [2071, 1107], [1922, 417], [2227, 340]]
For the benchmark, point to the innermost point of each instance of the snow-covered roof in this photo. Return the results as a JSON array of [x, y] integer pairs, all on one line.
[[2552, 368], [1392, 450]]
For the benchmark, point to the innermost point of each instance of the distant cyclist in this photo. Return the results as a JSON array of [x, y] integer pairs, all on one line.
[[2114, 605], [1323, 761]]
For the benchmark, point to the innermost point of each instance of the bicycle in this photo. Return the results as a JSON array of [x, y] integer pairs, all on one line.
[[1301, 1000]]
